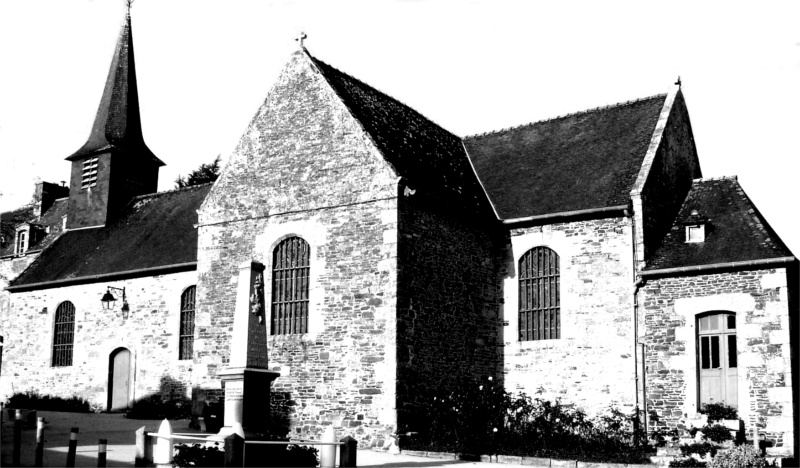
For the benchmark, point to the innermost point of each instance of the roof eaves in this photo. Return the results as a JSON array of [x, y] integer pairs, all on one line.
[[716, 267], [163, 269]]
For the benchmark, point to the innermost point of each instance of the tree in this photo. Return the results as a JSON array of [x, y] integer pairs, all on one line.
[[203, 174]]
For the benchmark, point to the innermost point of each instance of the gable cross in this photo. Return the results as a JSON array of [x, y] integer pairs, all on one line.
[[300, 38]]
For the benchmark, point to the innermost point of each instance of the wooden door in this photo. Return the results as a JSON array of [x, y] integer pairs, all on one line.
[[119, 380], [717, 359]]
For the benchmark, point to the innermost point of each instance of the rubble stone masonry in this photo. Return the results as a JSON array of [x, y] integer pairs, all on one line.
[[759, 298], [306, 168], [592, 364], [151, 334]]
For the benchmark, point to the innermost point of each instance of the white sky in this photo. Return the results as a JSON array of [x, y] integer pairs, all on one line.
[[204, 68]]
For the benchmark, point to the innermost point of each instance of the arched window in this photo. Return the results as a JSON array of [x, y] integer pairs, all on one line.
[[290, 267], [64, 334], [539, 295], [186, 343]]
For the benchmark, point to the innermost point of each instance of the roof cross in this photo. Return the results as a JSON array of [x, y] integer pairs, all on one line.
[[300, 38]]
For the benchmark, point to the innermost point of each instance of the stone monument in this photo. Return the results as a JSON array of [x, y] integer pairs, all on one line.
[[247, 379]]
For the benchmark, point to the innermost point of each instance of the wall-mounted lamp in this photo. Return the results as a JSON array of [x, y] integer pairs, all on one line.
[[108, 300]]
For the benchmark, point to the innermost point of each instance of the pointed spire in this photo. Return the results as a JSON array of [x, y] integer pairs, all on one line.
[[117, 124]]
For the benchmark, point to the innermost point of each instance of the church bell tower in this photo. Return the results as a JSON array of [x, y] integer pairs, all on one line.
[[115, 164]]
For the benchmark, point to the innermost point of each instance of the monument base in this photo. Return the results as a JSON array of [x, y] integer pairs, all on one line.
[[247, 401]]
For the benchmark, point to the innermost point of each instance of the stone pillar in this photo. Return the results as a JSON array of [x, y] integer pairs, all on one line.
[[247, 379]]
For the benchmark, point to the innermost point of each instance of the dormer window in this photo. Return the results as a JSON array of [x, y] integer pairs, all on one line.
[[89, 178], [695, 226], [695, 233]]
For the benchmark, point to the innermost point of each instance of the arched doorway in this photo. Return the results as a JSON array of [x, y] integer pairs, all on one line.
[[119, 376], [717, 358]]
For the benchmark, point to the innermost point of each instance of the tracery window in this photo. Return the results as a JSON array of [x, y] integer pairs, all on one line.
[[64, 334], [186, 340], [290, 278], [539, 295]]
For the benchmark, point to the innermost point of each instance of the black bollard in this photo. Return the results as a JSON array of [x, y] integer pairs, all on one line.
[[102, 445], [39, 442], [17, 438], [73, 445]]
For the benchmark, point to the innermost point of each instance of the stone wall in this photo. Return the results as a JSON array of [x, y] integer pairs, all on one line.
[[151, 333], [448, 299], [305, 167], [592, 365], [759, 299], [10, 268]]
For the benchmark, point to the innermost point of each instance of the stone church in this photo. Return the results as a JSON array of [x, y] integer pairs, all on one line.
[[581, 258]]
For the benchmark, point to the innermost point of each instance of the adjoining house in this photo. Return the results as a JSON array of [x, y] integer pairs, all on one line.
[[581, 258]]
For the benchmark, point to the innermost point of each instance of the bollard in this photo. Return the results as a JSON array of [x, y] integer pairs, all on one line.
[[327, 453], [234, 450], [102, 445], [756, 442], [39, 461], [162, 452], [17, 439], [347, 452], [144, 448], [73, 445]]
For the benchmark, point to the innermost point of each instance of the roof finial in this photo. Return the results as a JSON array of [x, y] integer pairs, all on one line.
[[300, 37], [679, 81]]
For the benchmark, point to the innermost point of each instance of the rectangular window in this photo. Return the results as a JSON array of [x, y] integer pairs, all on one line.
[[21, 246], [704, 353], [89, 175], [732, 351], [715, 352]]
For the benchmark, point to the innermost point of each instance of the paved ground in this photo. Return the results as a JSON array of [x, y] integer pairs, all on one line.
[[121, 442]]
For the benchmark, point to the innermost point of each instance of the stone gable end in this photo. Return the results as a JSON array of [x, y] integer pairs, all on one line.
[[302, 150]]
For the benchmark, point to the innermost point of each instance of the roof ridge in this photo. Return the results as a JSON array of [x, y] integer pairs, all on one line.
[[429, 120], [563, 116], [182, 189], [709, 179]]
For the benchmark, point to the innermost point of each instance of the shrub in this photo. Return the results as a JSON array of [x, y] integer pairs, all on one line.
[[717, 433], [482, 418], [686, 463], [289, 455], [741, 456], [701, 449], [719, 411], [33, 400], [154, 407], [198, 455]]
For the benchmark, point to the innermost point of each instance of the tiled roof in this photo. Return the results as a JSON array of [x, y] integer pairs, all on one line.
[[117, 124], [156, 231], [575, 162], [418, 149], [735, 232]]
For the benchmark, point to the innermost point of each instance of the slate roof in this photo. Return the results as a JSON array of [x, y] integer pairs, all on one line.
[[576, 162], [735, 232], [52, 218], [417, 148], [117, 124], [156, 231]]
